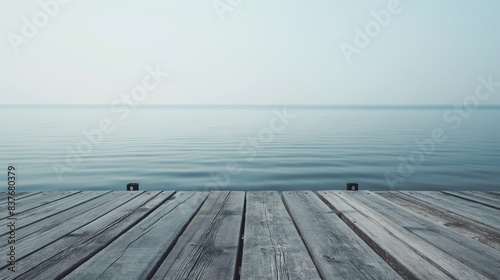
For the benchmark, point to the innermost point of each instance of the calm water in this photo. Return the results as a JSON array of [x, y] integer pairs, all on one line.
[[244, 149]]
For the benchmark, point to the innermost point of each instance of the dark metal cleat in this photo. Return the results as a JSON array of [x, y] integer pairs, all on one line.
[[134, 186], [352, 185]]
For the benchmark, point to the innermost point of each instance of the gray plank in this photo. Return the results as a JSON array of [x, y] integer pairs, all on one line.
[[442, 214], [18, 196], [59, 225], [410, 255], [40, 216], [136, 253], [488, 195], [208, 248], [493, 193], [489, 216], [272, 247], [61, 257], [40, 200], [476, 255], [336, 250], [24, 195], [474, 197]]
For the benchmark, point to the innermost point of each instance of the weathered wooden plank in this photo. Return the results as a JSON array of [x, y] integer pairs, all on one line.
[[410, 255], [337, 251], [37, 218], [61, 250], [40, 200], [476, 255], [488, 195], [494, 193], [17, 196], [441, 214], [489, 216], [24, 195], [478, 198], [208, 248], [65, 254], [272, 248], [58, 226], [137, 252]]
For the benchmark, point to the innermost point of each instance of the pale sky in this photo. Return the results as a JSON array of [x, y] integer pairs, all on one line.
[[263, 52]]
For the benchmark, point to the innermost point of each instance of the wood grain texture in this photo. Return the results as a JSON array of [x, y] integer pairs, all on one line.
[[494, 193], [272, 247], [478, 198], [410, 255], [476, 255], [137, 252], [489, 216], [301, 235], [488, 195], [18, 196], [61, 257], [442, 215], [35, 219], [208, 248], [39, 214], [336, 250], [57, 226], [40, 200]]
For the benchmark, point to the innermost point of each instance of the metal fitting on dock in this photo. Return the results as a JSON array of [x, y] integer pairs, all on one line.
[[134, 186], [352, 185]]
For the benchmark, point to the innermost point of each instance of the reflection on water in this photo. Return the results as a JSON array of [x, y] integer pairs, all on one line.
[[243, 148]]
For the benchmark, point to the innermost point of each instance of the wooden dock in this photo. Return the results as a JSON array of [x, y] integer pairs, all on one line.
[[254, 235]]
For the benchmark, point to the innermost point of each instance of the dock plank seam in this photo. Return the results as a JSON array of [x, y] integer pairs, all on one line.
[[147, 251], [58, 212], [402, 270], [478, 257], [210, 228], [155, 268], [273, 248], [37, 208], [19, 196], [316, 265], [83, 260], [31, 235], [486, 234], [216, 219], [464, 197], [210, 243], [239, 254], [50, 202]]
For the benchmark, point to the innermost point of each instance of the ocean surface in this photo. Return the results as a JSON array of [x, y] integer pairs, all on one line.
[[250, 148]]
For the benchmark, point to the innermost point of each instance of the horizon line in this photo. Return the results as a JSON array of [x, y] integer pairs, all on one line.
[[257, 105]]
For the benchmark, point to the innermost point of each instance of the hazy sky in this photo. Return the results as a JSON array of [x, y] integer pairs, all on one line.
[[263, 52]]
